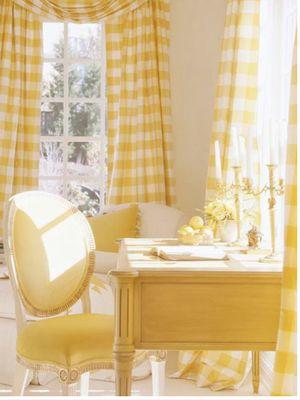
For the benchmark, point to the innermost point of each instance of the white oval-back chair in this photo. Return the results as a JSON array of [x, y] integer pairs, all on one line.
[[50, 256]]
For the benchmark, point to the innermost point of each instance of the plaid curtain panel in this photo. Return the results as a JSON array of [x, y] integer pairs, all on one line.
[[235, 104], [285, 368], [20, 82], [78, 10], [139, 114], [236, 93]]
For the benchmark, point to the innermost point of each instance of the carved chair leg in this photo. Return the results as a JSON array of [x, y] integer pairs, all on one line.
[[255, 371], [158, 367], [84, 384], [20, 380], [35, 378]]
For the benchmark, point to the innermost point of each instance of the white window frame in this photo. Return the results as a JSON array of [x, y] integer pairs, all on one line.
[[100, 179]]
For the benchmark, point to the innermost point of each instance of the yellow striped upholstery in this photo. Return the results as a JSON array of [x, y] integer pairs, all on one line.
[[138, 91], [235, 104], [236, 93], [20, 81], [284, 383]]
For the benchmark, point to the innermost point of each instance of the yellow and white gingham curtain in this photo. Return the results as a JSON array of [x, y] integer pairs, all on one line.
[[235, 105], [142, 81], [139, 113], [236, 93], [214, 369], [285, 368], [20, 81], [79, 10]]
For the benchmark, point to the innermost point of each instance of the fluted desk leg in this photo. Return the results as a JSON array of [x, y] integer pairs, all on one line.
[[123, 342], [255, 371]]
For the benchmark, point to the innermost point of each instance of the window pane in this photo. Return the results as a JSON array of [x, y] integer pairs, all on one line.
[[84, 119], [52, 186], [84, 40], [53, 43], [83, 158], [52, 119], [51, 161], [53, 80], [85, 196], [84, 80]]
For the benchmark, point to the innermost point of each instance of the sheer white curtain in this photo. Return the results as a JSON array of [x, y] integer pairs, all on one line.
[[277, 31]]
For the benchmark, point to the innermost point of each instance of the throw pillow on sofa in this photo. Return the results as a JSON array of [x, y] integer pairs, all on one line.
[[108, 228]]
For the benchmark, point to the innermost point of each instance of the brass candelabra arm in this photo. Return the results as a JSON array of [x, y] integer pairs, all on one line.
[[248, 188], [224, 190], [279, 189]]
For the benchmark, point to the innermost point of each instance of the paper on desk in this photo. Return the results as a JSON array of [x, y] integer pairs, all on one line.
[[189, 253]]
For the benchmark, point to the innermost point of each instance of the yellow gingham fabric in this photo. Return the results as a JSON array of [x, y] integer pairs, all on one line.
[[79, 10], [285, 368], [236, 93], [139, 114], [216, 369], [235, 105], [20, 81]]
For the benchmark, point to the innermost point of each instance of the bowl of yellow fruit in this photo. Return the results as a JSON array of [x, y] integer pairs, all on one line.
[[195, 232]]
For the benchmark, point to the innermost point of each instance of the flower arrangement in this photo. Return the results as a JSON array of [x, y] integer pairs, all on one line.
[[220, 211]]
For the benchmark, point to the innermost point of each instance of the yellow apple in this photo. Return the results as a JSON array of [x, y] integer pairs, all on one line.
[[186, 230], [196, 222]]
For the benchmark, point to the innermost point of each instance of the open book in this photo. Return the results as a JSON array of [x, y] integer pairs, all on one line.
[[189, 253]]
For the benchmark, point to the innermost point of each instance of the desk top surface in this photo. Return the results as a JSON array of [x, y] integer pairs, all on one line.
[[135, 255]]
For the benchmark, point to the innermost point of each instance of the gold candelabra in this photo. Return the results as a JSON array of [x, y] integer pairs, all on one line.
[[245, 186], [275, 189], [238, 187]]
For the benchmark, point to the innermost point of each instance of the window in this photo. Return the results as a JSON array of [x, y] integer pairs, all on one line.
[[277, 32], [73, 135]]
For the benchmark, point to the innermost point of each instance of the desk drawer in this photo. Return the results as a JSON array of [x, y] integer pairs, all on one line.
[[207, 314]]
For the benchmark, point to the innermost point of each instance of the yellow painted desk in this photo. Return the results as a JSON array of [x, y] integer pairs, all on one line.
[[191, 305]]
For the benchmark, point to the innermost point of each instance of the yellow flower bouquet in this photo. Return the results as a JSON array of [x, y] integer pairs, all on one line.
[[220, 210]]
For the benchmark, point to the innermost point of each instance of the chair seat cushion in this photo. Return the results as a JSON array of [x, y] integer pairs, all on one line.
[[68, 341]]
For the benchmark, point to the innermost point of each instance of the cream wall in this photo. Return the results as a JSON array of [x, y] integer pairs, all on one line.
[[196, 34]]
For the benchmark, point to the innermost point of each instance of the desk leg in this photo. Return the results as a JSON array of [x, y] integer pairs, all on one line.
[[255, 371], [123, 341], [123, 371]]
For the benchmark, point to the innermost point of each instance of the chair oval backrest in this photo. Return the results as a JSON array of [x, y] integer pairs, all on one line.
[[50, 251]]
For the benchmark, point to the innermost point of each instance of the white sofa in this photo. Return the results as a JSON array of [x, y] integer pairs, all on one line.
[[155, 221]]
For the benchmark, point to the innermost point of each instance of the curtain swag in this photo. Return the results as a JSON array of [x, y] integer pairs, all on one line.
[[79, 10]]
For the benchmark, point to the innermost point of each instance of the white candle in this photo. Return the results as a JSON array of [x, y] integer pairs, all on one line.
[[242, 150], [273, 132], [236, 157], [282, 141], [218, 161], [250, 153]]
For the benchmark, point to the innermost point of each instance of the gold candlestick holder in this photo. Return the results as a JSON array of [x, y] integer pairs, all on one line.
[[275, 190], [245, 187], [237, 191]]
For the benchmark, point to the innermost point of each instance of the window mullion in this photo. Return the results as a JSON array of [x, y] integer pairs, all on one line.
[[103, 136], [66, 109]]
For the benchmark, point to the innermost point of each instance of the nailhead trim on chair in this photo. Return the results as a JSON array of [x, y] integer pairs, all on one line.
[[65, 375]]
